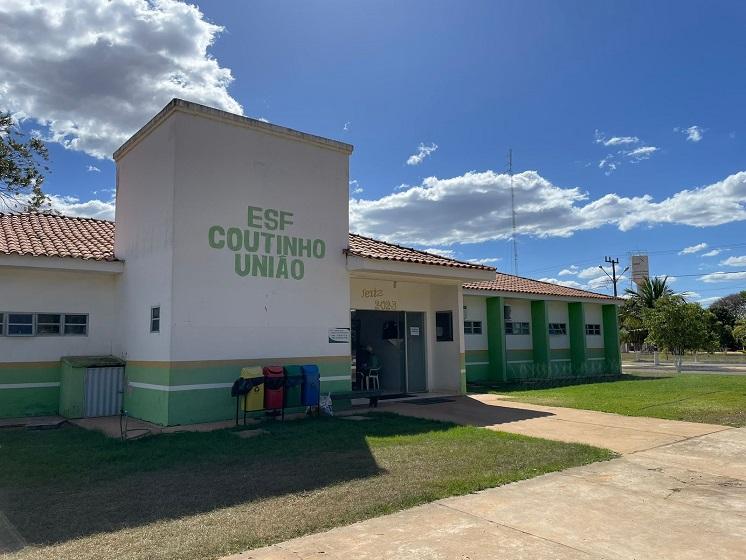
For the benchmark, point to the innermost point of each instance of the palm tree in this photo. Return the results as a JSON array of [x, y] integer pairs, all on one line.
[[645, 297], [650, 291]]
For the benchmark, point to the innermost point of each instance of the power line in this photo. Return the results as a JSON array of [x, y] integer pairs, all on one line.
[[614, 278]]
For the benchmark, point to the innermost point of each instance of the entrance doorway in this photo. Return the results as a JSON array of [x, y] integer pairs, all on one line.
[[394, 341]]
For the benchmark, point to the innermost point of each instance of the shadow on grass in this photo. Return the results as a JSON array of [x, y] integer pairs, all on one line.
[[467, 411], [538, 384], [67, 483]]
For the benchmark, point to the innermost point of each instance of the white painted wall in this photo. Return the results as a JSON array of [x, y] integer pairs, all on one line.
[[557, 312], [476, 310], [593, 315], [520, 312], [144, 240], [59, 291], [220, 169], [444, 374], [406, 296]]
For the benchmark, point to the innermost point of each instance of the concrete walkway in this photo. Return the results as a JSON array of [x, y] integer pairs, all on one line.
[[679, 492]]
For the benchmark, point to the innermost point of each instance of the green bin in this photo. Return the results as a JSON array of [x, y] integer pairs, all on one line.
[[293, 384]]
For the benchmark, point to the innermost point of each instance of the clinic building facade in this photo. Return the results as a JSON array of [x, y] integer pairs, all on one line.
[[232, 248]]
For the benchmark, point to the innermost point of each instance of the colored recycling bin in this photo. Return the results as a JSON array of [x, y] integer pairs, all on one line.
[[254, 399], [293, 382], [311, 392], [274, 385]]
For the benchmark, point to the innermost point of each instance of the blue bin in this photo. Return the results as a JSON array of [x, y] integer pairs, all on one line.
[[311, 391]]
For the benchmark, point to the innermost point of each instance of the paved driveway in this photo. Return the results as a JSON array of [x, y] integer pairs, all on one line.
[[679, 492]]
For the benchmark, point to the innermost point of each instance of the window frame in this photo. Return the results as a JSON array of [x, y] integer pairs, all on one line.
[[521, 331], [65, 324], [561, 327], [445, 337], [8, 323], [470, 327], [594, 327], [60, 324], [155, 319]]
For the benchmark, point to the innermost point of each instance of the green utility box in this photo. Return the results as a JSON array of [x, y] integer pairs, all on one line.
[[91, 386]]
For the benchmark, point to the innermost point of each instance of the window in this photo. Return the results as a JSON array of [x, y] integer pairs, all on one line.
[[515, 327], [593, 330], [2, 324], [76, 324], [556, 329], [20, 324], [443, 326], [48, 323], [155, 319], [472, 327], [507, 312]]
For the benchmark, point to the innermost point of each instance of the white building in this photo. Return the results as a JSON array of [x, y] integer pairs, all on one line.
[[232, 248]]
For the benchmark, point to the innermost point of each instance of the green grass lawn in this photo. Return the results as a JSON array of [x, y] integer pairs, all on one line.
[[75, 494], [713, 399]]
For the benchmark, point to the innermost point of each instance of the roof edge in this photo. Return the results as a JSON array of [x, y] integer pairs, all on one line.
[[190, 107], [464, 263]]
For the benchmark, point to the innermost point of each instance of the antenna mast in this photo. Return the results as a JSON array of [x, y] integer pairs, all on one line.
[[512, 210]]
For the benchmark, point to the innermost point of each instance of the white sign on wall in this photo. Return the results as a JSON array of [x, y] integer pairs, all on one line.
[[339, 335]]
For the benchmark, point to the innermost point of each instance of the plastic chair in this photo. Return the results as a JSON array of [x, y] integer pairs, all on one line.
[[373, 375]]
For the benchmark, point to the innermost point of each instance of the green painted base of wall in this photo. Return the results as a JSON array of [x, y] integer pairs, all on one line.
[[169, 393], [477, 366], [18, 395]]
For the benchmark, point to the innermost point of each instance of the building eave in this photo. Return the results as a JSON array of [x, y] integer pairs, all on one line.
[[61, 263]]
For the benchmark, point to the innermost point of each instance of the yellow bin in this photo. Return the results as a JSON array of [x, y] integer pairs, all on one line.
[[254, 399]]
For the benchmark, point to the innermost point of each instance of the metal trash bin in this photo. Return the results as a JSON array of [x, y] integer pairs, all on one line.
[[311, 392], [293, 382], [274, 387], [254, 399]]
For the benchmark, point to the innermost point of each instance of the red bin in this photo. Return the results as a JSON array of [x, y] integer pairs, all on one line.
[[274, 382]]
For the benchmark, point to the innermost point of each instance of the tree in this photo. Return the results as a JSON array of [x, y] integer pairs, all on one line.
[[679, 327], [631, 314], [729, 310], [739, 334], [22, 167]]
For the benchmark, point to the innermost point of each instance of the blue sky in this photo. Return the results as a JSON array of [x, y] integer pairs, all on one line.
[[629, 99]]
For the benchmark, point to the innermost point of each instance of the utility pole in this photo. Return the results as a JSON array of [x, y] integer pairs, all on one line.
[[512, 210], [613, 276]]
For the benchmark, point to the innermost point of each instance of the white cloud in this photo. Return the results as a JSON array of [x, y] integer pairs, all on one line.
[[347, 126], [423, 151], [708, 300], [590, 272], [355, 187], [94, 72], [573, 270], [487, 260], [612, 161], [475, 207], [693, 133], [567, 283], [73, 206], [712, 253], [262, 119], [600, 138], [93, 169], [448, 253], [734, 261], [643, 152], [693, 249], [721, 276]]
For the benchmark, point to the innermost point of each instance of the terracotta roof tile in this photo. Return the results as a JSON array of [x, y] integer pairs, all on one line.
[[518, 284], [50, 235], [380, 250]]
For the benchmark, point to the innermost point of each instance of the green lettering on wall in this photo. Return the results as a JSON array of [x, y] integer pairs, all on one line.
[[213, 240]]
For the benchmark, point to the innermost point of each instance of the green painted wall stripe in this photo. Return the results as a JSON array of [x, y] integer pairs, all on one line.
[[611, 338], [37, 401], [29, 372], [576, 316], [496, 338], [520, 355], [540, 337]]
